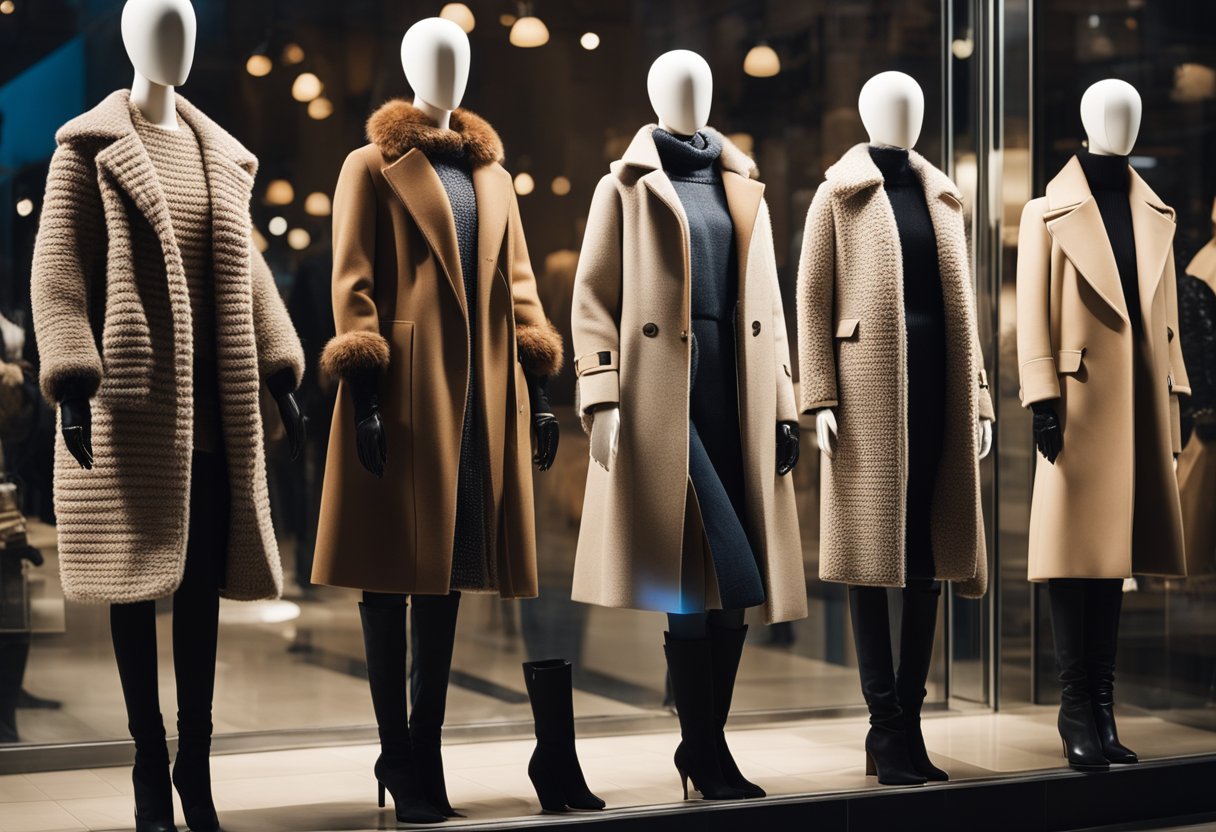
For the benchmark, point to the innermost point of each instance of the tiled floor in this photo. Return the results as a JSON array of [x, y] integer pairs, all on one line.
[[332, 788]]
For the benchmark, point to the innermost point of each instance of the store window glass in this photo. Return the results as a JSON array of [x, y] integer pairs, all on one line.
[[295, 83], [1165, 50]]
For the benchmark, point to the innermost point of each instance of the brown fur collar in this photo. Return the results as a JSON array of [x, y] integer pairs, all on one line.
[[398, 127]]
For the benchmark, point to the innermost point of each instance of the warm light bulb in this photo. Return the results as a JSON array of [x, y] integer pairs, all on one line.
[[317, 204], [259, 65], [25, 207], [277, 226], [560, 186], [761, 61], [8, 7], [524, 184], [589, 41], [529, 32], [293, 54], [460, 14], [306, 87], [320, 108], [259, 241], [298, 239], [962, 48], [280, 192], [507, 20]]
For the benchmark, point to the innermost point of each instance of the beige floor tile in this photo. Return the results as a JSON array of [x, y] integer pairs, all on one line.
[[66, 785], [41, 816], [17, 788]]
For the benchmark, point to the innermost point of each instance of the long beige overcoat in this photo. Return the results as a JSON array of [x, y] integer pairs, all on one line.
[[852, 351], [112, 317], [400, 311], [1109, 505], [641, 543]]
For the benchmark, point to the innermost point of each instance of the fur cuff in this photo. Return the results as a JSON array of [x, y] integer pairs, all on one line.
[[62, 381], [354, 352], [540, 348]]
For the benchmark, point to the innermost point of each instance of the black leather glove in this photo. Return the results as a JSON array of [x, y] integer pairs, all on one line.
[[76, 419], [788, 447], [546, 431], [1048, 437], [369, 431], [281, 386]]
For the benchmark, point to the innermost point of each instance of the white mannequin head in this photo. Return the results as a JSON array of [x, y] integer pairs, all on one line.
[[892, 108], [159, 36], [681, 87], [435, 57], [1110, 113]]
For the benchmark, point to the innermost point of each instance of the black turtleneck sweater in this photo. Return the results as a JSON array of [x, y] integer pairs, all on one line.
[[1109, 182]]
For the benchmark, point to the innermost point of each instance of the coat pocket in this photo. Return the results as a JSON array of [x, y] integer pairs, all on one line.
[[846, 328], [397, 391], [1070, 362]]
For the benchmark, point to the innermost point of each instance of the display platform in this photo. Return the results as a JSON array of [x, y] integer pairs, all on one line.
[[1007, 774]]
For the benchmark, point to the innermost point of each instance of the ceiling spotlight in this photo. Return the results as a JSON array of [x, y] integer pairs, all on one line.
[[277, 226], [25, 207], [317, 204], [761, 61], [298, 239], [306, 87], [460, 14], [529, 32], [259, 64], [560, 186], [589, 41], [293, 54], [524, 184], [280, 192], [320, 108], [8, 7], [507, 20]]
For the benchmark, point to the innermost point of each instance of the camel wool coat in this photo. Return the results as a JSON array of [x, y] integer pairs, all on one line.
[[852, 358], [112, 318], [400, 312], [641, 544], [1109, 506]]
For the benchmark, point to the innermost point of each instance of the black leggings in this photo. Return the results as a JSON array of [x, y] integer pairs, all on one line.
[[695, 625], [196, 605]]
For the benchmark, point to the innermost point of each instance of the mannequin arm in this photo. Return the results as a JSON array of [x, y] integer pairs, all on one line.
[[595, 316], [605, 434], [1036, 357], [788, 447], [282, 386], [546, 431], [1048, 437], [816, 307], [76, 424], [984, 436], [826, 430]]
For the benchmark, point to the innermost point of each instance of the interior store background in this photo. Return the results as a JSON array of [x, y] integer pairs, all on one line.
[[294, 80]]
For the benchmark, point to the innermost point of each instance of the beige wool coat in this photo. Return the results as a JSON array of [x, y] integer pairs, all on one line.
[[400, 312], [112, 317], [1109, 506], [641, 543], [852, 350]]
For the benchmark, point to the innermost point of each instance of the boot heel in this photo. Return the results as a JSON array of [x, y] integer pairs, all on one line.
[[871, 769], [550, 799], [380, 789], [684, 783]]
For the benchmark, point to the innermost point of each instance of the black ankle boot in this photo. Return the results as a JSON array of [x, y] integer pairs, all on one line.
[[1103, 606], [385, 647], [1078, 732], [150, 777], [887, 752], [918, 628], [691, 664], [432, 634], [554, 768], [726, 649], [192, 777]]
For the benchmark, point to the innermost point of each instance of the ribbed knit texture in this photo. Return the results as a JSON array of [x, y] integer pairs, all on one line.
[[178, 160], [1109, 182], [108, 281], [471, 565]]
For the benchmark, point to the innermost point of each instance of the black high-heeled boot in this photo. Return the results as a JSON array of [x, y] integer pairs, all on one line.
[[554, 768], [192, 778], [1078, 732], [887, 753], [432, 635], [726, 650], [1103, 606], [385, 646], [150, 777], [918, 627], [691, 664]]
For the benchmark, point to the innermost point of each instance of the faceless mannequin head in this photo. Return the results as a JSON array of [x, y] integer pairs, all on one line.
[[892, 108], [681, 88], [1110, 113], [435, 56], [159, 36]]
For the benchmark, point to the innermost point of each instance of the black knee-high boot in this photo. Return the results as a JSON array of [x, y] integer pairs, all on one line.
[[432, 635], [554, 768], [133, 631], [385, 646], [1103, 605], [726, 650], [1076, 722], [690, 664], [918, 627], [887, 751]]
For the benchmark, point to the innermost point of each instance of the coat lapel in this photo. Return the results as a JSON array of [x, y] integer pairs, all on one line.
[[743, 198], [493, 188], [658, 184], [1153, 227], [416, 184]]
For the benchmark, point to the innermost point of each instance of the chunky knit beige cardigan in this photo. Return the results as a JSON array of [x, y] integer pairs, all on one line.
[[112, 318]]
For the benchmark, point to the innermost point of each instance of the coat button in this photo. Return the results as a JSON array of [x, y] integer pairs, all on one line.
[[755, 328], [650, 330]]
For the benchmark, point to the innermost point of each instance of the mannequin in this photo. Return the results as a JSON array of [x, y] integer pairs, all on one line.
[[922, 264], [469, 531], [1111, 239], [193, 440], [706, 185]]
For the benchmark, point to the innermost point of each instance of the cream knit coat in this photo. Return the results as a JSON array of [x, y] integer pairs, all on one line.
[[112, 318], [851, 340]]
